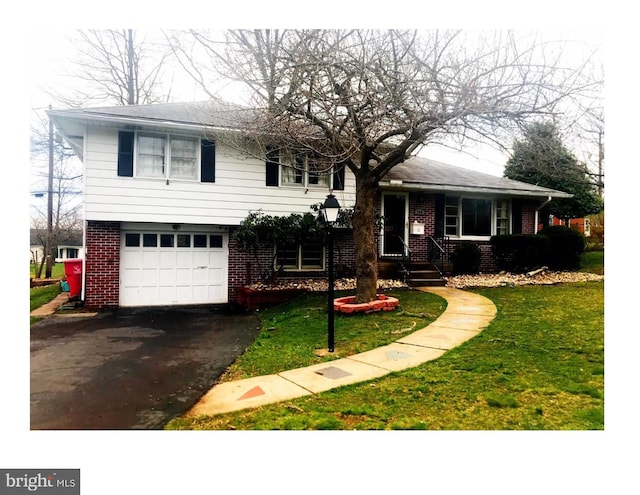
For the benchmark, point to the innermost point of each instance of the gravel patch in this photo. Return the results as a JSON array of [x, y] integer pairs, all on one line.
[[509, 279], [457, 282]]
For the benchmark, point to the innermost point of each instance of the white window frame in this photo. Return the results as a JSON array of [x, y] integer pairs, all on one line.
[[166, 166], [299, 266], [494, 217], [287, 163]]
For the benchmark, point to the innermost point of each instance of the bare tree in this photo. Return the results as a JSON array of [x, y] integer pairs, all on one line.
[[368, 100], [116, 67], [60, 183], [112, 67]]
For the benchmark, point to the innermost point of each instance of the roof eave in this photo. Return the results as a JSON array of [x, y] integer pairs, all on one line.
[[117, 120], [409, 186]]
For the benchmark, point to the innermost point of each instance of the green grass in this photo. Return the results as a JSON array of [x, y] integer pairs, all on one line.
[[57, 270], [593, 262], [41, 295], [538, 366], [292, 332]]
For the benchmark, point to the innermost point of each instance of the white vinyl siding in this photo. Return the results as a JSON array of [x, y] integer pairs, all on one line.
[[239, 188]]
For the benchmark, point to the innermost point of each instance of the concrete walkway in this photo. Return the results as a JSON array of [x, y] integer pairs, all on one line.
[[466, 315], [52, 306]]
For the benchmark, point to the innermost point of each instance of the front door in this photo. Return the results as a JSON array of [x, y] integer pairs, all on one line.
[[394, 224]]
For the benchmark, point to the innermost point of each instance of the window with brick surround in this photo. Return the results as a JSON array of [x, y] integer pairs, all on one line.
[[477, 217], [306, 256]]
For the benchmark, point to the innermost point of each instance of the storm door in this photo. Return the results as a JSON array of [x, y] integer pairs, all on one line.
[[394, 224]]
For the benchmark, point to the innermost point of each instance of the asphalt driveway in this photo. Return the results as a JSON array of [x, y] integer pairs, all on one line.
[[130, 368]]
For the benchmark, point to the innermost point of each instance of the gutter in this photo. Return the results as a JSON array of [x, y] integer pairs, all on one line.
[[536, 222], [117, 120], [509, 191]]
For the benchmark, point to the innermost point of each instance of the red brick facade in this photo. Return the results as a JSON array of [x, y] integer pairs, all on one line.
[[102, 257], [102, 265]]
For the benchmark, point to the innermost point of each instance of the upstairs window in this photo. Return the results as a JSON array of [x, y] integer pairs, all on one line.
[[303, 170], [151, 156], [164, 156], [288, 169]]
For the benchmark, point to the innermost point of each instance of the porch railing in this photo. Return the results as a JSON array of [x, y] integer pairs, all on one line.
[[438, 251], [403, 258]]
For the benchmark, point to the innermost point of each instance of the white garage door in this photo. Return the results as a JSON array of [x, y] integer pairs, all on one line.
[[173, 268]]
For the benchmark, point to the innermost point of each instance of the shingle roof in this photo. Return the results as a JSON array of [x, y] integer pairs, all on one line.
[[421, 173], [65, 237], [215, 113], [415, 172]]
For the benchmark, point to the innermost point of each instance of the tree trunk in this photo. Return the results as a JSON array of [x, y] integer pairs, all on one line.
[[366, 256]]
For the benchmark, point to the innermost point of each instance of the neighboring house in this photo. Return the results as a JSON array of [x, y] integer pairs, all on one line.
[[165, 189], [582, 225], [69, 246]]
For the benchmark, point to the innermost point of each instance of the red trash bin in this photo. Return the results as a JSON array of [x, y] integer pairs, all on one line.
[[73, 272]]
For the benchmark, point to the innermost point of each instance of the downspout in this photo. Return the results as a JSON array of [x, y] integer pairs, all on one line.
[[535, 221]]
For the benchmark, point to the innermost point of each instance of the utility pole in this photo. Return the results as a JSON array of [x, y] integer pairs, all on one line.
[[600, 160], [48, 247], [130, 88]]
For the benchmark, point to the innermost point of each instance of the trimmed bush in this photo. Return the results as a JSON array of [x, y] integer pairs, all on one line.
[[519, 253], [466, 258], [566, 247]]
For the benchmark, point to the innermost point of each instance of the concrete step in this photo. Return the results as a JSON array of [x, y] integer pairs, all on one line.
[[428, 274], [426, 282]]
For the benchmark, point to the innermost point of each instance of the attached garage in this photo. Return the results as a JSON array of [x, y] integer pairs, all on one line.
[[173, 266]]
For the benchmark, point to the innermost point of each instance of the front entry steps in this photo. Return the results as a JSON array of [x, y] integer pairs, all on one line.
[[415, 274], [424, 274]]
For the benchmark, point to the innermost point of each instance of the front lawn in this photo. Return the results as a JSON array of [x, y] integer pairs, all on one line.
[[539, 365], [592, 262], [293, 332], [57, 270], [39, 296]]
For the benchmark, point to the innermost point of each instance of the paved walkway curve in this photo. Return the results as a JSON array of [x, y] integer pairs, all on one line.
[[466, 315]]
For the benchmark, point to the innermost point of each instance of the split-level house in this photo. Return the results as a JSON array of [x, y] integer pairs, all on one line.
[[165, 187]]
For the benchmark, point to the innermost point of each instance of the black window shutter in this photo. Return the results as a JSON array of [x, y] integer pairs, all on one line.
[[272, 164], [338, 177], [207, 161], [516, 215], [439, 215], [125, 154]]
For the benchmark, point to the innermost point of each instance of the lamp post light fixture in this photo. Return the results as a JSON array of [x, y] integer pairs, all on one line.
[[330, 210]]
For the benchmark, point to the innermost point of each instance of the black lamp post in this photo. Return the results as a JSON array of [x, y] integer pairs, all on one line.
[[330, 209]]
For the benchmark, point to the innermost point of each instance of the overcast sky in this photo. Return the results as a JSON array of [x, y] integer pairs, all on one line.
[[52, 52]]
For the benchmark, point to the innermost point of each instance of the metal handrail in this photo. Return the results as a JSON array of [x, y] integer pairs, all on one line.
[[406, 258], [443, 253]]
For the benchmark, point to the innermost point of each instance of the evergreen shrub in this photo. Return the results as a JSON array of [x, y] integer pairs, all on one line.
[[466, 258], [565, 247], [518, 253]]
